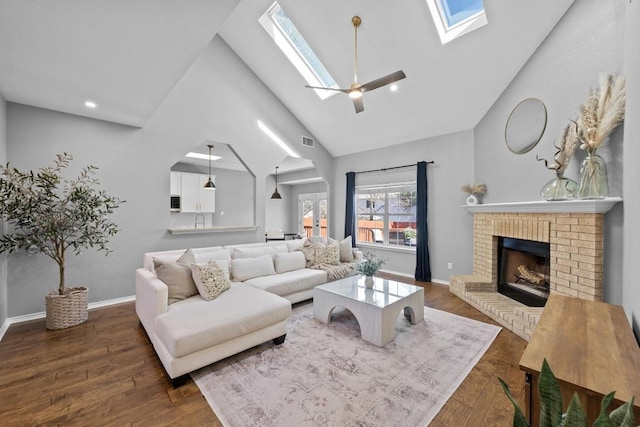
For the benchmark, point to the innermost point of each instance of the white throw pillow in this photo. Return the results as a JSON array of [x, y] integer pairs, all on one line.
[[289, 262], [346, 252], [210, 279], [249, 268]]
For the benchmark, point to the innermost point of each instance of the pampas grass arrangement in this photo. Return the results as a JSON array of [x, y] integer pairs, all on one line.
[[474, 189], [603, 111], [568, 143]]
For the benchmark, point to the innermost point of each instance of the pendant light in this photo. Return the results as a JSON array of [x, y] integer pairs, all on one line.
[[275, 194], [210, 185]]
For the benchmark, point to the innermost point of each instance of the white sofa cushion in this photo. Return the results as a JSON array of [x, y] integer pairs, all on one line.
[[247, 268], [195, 324], [290, 282], [284, 262], [204, 255], [171, 255], [254, 252], [211, 279], [295, 244]]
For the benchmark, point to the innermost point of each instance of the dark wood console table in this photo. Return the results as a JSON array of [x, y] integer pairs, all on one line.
[[591, 350]]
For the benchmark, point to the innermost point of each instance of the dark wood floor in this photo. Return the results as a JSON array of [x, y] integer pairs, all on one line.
[[105, 372]]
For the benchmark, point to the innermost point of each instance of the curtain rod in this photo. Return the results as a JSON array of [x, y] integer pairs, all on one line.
[[394, 167]]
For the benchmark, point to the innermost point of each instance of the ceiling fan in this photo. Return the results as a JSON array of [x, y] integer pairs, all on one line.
[[356, 90]]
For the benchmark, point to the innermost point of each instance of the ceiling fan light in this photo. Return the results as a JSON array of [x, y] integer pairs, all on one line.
[[355, 94]]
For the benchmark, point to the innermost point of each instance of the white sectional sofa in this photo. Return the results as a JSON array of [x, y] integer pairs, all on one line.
[[189, 332]]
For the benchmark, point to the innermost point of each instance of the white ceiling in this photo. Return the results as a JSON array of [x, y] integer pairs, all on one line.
[[229, 159], [127, 55]]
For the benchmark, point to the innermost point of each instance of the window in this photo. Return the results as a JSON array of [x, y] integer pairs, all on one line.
[[454, 18], [386, 215], [287, 37]]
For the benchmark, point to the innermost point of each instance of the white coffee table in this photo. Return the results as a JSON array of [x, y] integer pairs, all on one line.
[[375, 309]]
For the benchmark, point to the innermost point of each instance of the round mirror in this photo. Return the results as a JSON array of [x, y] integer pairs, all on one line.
[[525, 125]]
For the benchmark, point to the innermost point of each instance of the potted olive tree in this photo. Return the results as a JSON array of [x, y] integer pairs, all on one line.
[[49, 214]]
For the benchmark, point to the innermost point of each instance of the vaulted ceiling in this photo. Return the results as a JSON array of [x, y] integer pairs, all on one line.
[[128, 55]]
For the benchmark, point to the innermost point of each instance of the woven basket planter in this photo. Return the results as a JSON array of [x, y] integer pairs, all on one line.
[[70, 309]]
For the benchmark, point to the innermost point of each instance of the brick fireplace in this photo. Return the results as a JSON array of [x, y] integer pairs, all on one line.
[[574, 231]]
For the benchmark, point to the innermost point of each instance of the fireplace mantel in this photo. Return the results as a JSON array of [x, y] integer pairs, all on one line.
[[542, 206]]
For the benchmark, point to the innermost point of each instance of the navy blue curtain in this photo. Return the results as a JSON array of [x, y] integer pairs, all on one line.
[[423, 268], [350, 213]]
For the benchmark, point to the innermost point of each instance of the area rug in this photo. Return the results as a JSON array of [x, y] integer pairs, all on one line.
[[326, 375]]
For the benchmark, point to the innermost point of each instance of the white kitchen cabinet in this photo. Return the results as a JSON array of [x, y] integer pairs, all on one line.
[[194, 197], [175, 180]]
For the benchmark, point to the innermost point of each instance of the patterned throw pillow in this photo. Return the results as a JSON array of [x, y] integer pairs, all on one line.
[[210, 279], [329, 254]]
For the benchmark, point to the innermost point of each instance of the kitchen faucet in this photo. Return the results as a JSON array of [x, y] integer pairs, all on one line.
[[204, 222]]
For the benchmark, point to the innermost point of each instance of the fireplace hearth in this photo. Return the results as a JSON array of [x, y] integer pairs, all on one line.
[[523, 270]]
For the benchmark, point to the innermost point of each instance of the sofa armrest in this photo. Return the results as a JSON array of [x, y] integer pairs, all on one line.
[[358, 256], [152, 297]]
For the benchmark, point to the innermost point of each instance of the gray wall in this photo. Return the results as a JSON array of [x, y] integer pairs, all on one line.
[[218, 99], [588, 40], [3, 257], [277, 212], [450, 226], [630, 287]]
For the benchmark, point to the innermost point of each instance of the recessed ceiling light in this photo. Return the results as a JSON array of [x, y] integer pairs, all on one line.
[[90, 104], [393, 88], [202, 156]]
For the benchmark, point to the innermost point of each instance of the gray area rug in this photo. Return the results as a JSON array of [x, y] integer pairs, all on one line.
[[326, 375]]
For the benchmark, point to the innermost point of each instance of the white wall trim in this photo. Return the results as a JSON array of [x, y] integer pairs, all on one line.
[[398, 273], [33, 316]]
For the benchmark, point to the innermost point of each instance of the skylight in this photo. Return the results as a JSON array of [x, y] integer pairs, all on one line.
[[454, 18], [287, 37]]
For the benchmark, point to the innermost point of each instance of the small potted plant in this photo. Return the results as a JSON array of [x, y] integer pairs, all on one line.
[[368, 267], [409, 236], [49, 214]]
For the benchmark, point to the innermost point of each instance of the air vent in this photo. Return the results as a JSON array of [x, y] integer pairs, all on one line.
[[307, 141]]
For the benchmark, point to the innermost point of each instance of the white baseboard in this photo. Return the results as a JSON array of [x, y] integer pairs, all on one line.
[[33, 316], [408, 276]]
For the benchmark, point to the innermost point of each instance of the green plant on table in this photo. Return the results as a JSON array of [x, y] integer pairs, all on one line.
[[551, 407], [370, 264], [49, 214]]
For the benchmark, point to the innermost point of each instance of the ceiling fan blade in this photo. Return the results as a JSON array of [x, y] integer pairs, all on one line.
[[383, 81], [328, 88], [359, 104]]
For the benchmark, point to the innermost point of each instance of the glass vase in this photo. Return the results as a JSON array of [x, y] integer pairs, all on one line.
[[594, 183], [559, 188]]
